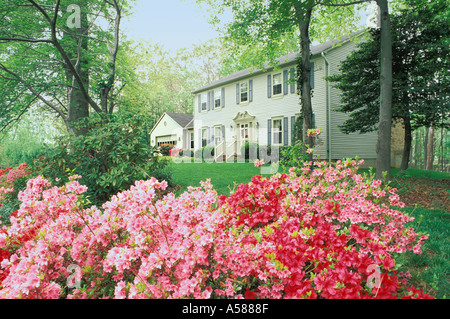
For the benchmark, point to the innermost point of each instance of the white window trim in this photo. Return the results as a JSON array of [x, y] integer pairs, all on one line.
[[191, 140], [204, 97], [273, 130], [204, 136], [273, 84], [248, 93], [215, 98], [218, 128]]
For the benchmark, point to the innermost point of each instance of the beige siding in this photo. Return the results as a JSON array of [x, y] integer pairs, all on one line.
[[343, 145]]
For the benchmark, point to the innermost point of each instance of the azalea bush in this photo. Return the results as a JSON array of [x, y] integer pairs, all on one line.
[[325, 233], [12, 180]]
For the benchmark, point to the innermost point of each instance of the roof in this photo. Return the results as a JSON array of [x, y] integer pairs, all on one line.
[[283, 61], [183, 119]]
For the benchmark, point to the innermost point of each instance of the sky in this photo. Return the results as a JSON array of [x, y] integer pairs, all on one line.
[[175, 24]]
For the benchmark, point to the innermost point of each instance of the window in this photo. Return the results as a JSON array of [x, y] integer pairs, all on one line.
[[277, 131], [172, 143], [204, 137], [218, 134], [204, 102], [218, 98], [192, 140], [277, 84], [244, 92]]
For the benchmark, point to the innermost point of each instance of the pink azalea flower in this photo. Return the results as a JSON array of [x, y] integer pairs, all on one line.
[[259, 163]]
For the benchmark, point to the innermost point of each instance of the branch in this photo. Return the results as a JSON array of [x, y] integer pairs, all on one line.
[[66, 58], [342, 4], [24, 39], [30, 88], [19, 116]]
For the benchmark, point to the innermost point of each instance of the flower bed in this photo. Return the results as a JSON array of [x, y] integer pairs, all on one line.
[[328, 233]]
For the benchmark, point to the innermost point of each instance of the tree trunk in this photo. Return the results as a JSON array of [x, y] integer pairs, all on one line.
[[78, 104], [430, 154], [407, 145], [416, 148], [425, 148], [304, 19], [385, 124]]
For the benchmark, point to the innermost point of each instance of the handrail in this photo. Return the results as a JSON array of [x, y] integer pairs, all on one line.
[[220, 147]]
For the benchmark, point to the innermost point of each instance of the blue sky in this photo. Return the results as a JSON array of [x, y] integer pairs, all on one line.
[[173, 23]]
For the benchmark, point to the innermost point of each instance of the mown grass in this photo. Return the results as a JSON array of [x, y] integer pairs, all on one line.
[[430, 270], [224, 176]]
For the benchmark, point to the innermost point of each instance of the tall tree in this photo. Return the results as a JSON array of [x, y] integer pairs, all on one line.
[[420, 75], [385, 123], [55, 52], [267, 22]]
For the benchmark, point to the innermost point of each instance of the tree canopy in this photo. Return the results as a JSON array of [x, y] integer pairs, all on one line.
[[60, 54], [420, 73]]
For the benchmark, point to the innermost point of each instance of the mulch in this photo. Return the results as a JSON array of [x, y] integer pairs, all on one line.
[[426, 193]]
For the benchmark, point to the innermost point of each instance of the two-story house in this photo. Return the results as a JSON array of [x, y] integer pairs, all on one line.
[[261, 106]]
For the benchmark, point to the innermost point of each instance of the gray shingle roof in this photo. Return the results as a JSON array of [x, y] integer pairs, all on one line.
[[283, 61], [185, 120]]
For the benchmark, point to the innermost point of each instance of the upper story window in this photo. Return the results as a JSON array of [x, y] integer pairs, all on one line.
[[277, 84], [244, 92], [218, 98], [204, 102]]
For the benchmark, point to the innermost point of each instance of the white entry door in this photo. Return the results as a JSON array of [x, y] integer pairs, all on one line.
[[244, 135]]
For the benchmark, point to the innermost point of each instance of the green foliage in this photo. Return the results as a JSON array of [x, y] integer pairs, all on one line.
[[293, 156], [27, 138], [34, 67], [208, 152], [110, 158], [10, 201], [420, 72], [165, 149], [250, 150]]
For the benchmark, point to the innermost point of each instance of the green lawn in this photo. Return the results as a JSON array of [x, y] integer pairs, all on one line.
[[224, 176], [430, 270]]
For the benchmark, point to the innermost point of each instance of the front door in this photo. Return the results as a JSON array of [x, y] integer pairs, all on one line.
[[245, 134]]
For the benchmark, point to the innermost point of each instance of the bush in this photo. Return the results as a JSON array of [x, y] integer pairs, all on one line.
[[110, 157], [329, 233], [293, 155], [165, 149], [250, 151], [12, 181], [208, 150]]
